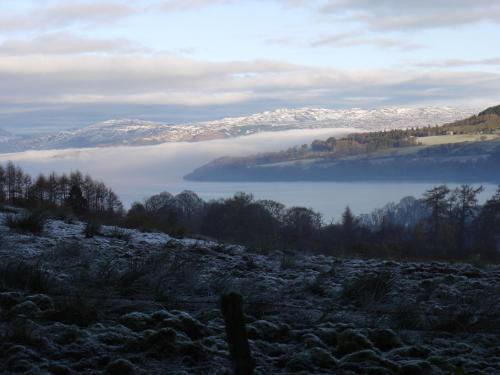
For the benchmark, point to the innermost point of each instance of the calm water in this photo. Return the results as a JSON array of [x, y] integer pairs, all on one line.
[[137, 172]]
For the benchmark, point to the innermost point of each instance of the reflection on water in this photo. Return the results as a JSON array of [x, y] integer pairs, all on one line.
[[137, 172]]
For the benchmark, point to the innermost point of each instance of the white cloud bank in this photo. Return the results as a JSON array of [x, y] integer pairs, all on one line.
[[411, 14], [169, 80]]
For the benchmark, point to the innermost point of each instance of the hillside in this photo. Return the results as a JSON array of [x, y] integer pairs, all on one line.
[[462, 151], [491, 111], [134, 132], [127, 302]]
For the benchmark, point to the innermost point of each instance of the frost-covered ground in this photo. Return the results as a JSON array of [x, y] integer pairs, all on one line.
[[126, 302]]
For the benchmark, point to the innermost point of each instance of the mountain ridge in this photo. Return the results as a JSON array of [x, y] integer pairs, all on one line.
[[137, 132]]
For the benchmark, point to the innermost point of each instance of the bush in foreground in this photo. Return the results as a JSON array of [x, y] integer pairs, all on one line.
[[92, 228], [26, 223], [23, 275]]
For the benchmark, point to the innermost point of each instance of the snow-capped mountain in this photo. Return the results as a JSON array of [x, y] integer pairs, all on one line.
[[103, 134], [375, 119], [4, 135], [8, 138], [135, 132]]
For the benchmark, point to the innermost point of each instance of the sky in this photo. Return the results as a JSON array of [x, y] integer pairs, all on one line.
[[70, 63]]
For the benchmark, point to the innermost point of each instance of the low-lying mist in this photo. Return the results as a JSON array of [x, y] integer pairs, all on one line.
[[153, 166]]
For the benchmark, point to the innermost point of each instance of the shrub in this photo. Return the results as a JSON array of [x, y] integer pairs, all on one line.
[[221, 284], [120, 367], [477, 311], [316, 286], [23, 275], [30, 222], [74, 310], [63, 214], [368, 288], [92, 228], [21, 331], [288, 261], [65, 250], [407, 316], [119, 234], [8, 210], [136, 270]]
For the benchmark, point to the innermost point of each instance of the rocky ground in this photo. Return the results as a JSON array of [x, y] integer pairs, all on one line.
[[126, 302]]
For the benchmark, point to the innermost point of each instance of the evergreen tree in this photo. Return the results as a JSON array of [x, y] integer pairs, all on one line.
[[487, 226], [464, 208], [76, 201], [437, 201]]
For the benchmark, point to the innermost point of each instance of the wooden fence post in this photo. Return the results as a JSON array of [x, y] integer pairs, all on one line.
[[236, 334]]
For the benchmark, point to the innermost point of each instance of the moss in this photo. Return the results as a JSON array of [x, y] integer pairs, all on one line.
[[112, 338], [184, 322], [312, 341], [299, 362], [163, 339], [136, 321], [59, 369], [194, 351], [66, 334], [417, 368], [264, 330], [385, 339], [27, 308], [414, 351], [43, 301], [120, 367], [351, 341], [327, 335], [369, 358], [362, 356], [322, 358], [9, 299]]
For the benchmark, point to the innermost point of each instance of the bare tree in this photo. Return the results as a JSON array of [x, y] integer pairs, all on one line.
[[464, 208], [437, 201]]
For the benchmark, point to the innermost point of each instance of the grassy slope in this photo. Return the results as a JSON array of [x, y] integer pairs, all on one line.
[[459, 138]]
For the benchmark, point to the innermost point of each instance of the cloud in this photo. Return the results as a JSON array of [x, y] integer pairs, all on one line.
[[60, 43], [380, 14], [175, 5], [282, 41], [129, 79], [459, 63], [354, 39], [66, 13], [410, 14], [162, 80], [348, 40]]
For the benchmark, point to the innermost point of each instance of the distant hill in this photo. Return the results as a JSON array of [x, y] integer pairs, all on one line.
[[465, 150], [491, 111], [135, 132]]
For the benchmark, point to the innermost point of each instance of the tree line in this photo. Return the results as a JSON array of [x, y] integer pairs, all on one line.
[[76, 192], [443, 224]]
